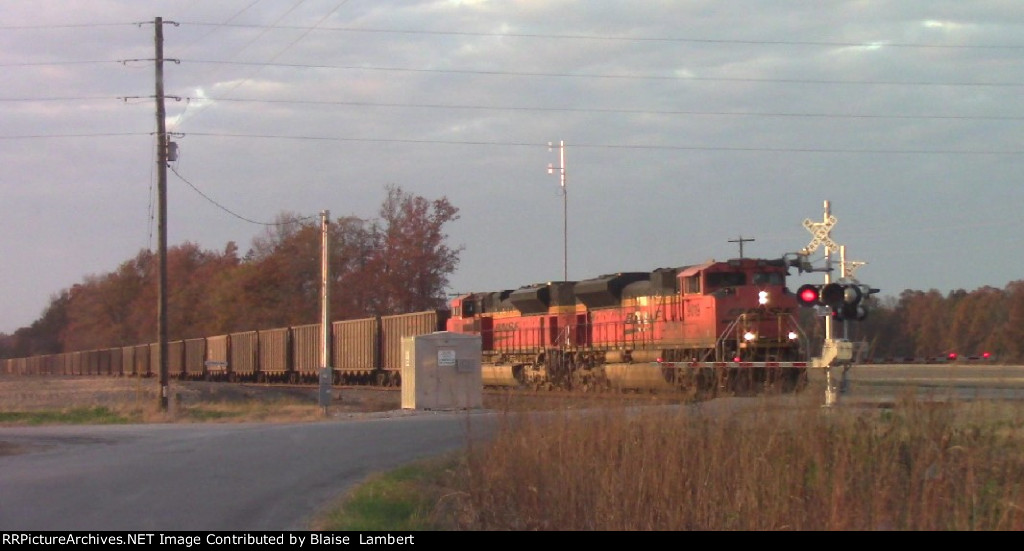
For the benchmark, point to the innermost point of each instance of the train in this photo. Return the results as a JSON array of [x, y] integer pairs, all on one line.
[[718, 325], [715, 325]]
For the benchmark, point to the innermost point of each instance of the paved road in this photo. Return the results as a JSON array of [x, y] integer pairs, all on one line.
[[208, 477]]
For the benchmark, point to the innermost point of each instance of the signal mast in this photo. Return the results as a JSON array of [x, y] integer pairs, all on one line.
[[841, 300]]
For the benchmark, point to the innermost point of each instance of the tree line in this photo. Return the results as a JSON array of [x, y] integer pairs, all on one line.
[[930, 324], [398, 262]]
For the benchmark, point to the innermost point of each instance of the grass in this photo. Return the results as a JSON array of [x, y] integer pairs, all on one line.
[[97, 415], [104, 400], [917, 466], [406, 499]]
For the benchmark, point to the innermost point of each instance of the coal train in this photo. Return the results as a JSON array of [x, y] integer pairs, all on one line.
[[719, 325]]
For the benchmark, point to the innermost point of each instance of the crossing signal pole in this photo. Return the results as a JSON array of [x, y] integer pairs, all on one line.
[[842, 300]]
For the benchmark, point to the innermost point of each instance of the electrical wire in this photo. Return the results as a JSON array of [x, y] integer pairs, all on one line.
[[233, 213]]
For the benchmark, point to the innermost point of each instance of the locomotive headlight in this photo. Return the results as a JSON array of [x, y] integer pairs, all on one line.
[[792, 335], [749, 336], [762, 297]]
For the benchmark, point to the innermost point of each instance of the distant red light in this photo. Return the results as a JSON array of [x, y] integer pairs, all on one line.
[[985, 355], [952, 355]]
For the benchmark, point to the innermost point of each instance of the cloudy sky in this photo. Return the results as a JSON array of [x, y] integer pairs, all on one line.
[[687, 125]]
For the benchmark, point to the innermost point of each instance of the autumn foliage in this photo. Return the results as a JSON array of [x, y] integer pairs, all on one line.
[[399, 262]]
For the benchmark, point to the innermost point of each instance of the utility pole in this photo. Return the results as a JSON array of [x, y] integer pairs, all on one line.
[[161, 155], [326, 373], [565, 206], [741, 241]]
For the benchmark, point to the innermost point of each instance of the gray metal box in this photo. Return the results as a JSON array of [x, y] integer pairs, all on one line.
[[441, 370]]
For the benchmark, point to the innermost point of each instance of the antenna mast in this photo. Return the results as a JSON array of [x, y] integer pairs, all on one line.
[[565, 206]]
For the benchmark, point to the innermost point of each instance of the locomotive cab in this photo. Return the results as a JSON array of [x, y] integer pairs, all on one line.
[[747, 304]]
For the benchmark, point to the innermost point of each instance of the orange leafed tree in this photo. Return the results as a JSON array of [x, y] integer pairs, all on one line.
[[398, 263]]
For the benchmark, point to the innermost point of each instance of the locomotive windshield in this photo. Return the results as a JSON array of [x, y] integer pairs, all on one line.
[[716, 280], [768, 278]]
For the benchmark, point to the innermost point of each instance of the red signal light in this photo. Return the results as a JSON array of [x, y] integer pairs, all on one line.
[[808, 295], [952, 355]]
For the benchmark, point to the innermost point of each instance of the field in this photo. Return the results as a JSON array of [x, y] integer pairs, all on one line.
[[35, 400]]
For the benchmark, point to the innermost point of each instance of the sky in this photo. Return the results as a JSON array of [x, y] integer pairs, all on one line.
[[690, 128]]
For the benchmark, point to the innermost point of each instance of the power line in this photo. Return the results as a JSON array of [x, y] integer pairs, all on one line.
[[580, 145], [78, 135], [685, 78], [233, 213], [750, 42], [286, 48], [545, 36], [608, 76], [64, 26], [542, 109], [617, 146], [611, 110], [64, 98], [58, 63]]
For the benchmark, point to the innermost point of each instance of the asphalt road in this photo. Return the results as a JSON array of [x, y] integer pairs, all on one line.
[[248, 477]]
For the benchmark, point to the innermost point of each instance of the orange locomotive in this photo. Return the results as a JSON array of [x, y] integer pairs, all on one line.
[[718, 325]]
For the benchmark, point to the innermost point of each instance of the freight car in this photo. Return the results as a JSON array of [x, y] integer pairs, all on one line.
[[718, 325], [364, 352]]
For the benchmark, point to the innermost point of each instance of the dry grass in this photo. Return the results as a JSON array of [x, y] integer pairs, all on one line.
[[916, 466], [132, 400]]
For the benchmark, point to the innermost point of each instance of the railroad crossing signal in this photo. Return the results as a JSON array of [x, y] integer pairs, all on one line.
[[820, 231], [849, 268], [844, 300]]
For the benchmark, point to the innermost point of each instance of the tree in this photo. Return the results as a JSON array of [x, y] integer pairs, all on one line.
[[923, 321], [399, 263], [413, 261], [1010, 344], [43, 336], [977, 318]]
